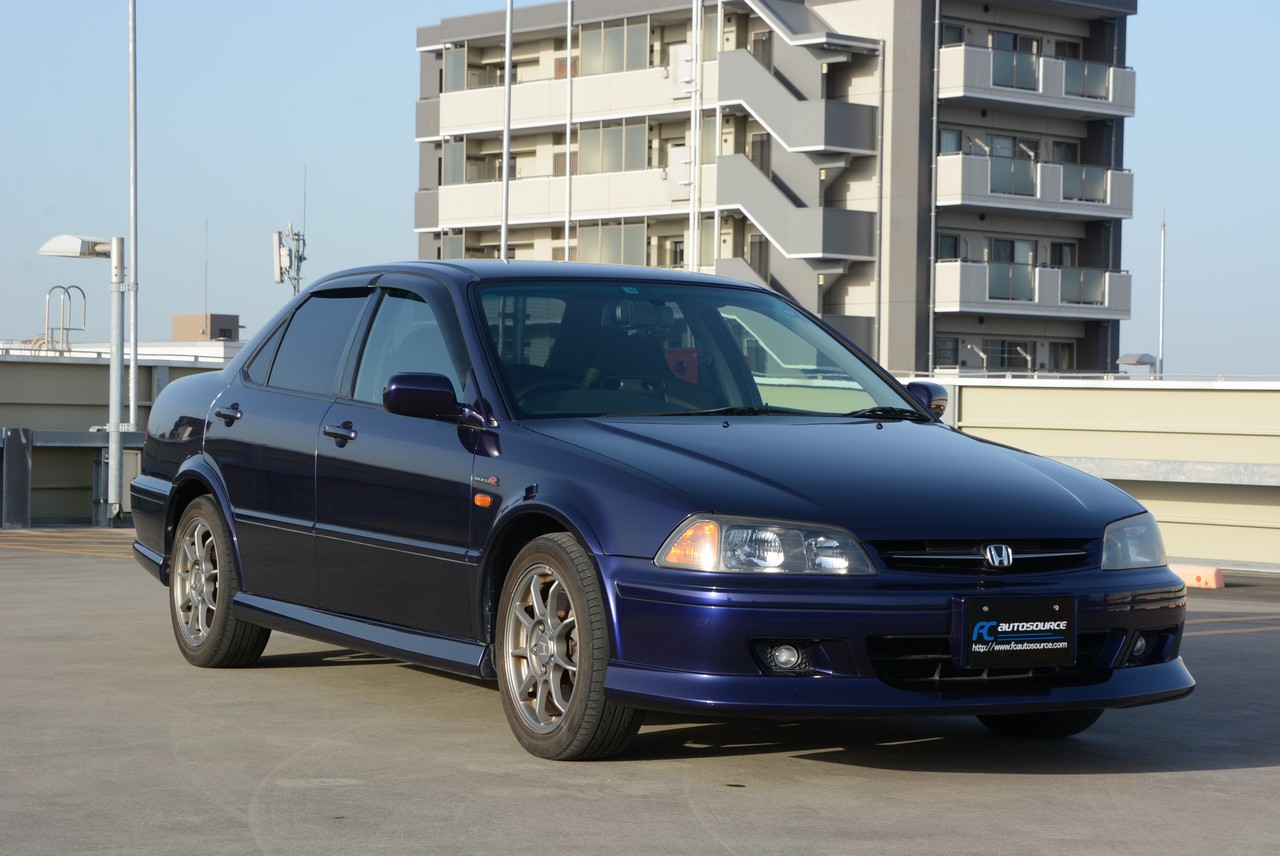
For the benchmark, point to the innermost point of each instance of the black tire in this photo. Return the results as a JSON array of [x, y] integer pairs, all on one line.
[[552, 650], [202, 583], [1051, 725]]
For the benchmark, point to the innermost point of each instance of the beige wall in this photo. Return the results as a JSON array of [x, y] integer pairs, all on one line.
[[1204, 458]]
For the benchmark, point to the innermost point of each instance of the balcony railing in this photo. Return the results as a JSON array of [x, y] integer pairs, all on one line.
[[1008, 288], [1013, 175], [1078, 88], [1083, 286], [1015, 69], [1010, 281], [1007, 183], [1088, 79]]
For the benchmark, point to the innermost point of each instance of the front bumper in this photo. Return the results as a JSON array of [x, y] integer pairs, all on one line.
[[691, 642]]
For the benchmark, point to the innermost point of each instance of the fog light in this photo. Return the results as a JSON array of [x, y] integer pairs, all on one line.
[[784, 656], [1140, 647]]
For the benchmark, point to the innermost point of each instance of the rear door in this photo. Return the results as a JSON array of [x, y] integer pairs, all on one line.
[[262, 439], [393, 492]]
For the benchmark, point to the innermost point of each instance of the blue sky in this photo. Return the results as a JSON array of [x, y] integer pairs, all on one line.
[[238, 97]]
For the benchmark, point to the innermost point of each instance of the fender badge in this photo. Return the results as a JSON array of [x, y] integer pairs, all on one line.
[[492, 481]]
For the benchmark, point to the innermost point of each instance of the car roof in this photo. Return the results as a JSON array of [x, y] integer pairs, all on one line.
[[462, 272]]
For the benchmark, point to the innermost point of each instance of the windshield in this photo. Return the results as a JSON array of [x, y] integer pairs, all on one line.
[[624, 348]]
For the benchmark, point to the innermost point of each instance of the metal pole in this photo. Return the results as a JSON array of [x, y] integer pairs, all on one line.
[[1160, 349], [133, 217], [114, 450], [568, 123], [506, 141], [695, 139]]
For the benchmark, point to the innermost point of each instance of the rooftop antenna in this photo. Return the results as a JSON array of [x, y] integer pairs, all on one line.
[[289, 259]]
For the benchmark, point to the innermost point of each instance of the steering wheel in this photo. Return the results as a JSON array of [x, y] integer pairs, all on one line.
[[542, 387]]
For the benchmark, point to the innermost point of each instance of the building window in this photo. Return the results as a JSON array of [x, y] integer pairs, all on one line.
[[1062, 356], [612, 146], [946, 351], [948, 247], [615, 46], [1009, 355], [949, 140], [1062, 254], [1010, 269], [1013, 168], [611, 243], [1065, 152], [952, 34], [1066, 50], [1015, 60]]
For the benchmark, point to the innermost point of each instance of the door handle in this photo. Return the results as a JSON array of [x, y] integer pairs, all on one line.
[[229, 415], [342, 434]]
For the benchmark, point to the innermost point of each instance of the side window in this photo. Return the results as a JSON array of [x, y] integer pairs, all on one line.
[[315, 341], [260, 366], [406, 336]]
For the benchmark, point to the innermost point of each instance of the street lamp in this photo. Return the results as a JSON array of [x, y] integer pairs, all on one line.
[[78, 247]]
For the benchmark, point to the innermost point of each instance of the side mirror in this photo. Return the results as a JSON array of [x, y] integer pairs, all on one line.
[[426, 396], [932, 395]]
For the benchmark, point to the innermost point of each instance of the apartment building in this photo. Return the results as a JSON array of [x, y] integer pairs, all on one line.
[[942, 180]]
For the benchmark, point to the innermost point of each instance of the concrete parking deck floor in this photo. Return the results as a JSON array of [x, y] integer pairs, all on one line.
[[111, 744]]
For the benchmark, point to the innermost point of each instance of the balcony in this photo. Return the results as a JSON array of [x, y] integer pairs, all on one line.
[[541, 103], [1002, 288], [1000, 79], [800, 125], [1034, 187], [601, 196]]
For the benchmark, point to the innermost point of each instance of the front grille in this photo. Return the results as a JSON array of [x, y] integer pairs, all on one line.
[[926, 663], [1029, 555]]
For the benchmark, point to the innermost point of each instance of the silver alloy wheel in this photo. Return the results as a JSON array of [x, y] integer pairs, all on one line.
[[541, 633], [194, 584]]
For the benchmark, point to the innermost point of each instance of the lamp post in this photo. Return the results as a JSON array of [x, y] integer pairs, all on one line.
[[77, 247]]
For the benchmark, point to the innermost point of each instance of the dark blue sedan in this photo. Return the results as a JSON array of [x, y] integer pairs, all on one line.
[[621, 489]]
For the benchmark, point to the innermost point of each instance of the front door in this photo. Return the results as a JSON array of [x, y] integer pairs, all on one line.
[[393, 493]]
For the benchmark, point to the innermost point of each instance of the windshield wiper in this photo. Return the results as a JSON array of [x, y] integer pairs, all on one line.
[[765, 410], [890, 413]]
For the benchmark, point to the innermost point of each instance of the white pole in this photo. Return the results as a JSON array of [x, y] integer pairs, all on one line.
[[695, 139], [133, 217], [506, 141], [568, 123], [114, 451], [1160, 349]]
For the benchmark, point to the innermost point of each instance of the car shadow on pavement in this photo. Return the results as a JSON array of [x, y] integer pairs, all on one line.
[[1121, 742]]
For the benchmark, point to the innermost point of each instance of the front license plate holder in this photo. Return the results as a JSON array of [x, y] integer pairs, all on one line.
[[1016, 632]]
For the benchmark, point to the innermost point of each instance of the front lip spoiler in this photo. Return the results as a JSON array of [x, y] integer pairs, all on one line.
[[835, 697]]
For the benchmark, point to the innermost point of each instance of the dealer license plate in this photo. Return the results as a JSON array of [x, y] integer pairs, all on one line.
[[1017, 632]]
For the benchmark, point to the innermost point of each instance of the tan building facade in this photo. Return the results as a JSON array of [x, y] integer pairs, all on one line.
[[943, 182]]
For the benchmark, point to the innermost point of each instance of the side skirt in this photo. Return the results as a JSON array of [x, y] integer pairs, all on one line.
[[458, 656]]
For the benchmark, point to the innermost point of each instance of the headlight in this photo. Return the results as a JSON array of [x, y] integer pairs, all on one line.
[[746, 545], [1134, 542]]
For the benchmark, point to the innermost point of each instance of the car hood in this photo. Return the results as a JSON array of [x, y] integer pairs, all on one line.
[[883, 481]]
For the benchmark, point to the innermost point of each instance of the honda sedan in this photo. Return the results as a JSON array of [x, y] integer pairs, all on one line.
[[614, 490]]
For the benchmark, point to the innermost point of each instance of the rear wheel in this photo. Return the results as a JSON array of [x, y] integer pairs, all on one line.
[[202, 583], [552, 649], [1053, 724]]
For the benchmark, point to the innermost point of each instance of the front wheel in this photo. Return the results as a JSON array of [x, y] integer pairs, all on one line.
[[1050, 725], [552, 649], [202, 583]]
